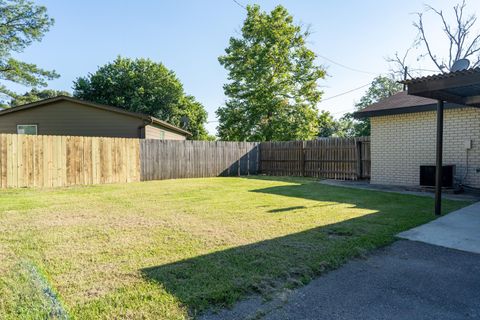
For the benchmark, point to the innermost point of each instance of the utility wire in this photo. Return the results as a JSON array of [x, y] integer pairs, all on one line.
[[344, 93], [429, 70], [240, 5], [344, 66]]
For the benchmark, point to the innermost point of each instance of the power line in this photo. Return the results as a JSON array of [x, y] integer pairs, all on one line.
[[344, 93], [344, 66], [239, 4], [343, 111], [429, 70]]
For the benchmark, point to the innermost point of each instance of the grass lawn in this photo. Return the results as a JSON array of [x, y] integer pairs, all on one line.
[[170, 249]]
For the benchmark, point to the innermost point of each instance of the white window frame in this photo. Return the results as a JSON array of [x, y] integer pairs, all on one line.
[[29, 125]]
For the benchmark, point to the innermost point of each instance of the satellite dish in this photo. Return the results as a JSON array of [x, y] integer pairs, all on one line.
[[459, 65]]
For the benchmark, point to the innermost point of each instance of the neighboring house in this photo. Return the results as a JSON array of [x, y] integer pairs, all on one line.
[[68, 116], [403, 139]]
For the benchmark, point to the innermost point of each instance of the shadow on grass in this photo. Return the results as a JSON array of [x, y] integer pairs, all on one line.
[[287, 209], [220, 278]]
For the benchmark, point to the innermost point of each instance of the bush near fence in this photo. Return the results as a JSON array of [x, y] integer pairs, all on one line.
[[53, 161]]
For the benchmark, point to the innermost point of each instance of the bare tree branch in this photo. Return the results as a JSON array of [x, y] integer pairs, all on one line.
[[423, 38], [398, 70], [463, 40]]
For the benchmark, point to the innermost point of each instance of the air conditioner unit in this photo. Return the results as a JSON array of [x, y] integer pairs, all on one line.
[[427, 176]]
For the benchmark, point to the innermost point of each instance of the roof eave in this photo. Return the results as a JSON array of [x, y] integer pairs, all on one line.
[[404, 110], [169, 126]]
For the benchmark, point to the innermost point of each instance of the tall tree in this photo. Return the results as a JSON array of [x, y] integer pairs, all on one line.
[[144, 86], [381, 87], [21, 23], [272, 90], [460, 36], [327, 125], [35, 95]]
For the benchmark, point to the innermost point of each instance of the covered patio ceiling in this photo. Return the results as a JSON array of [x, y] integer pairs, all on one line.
[[461, 87]]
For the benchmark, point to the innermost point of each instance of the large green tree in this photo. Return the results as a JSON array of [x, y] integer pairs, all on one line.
[[35, 95], [144, 86], [21, 23], [327, 125], [272, 90], [381, 87]]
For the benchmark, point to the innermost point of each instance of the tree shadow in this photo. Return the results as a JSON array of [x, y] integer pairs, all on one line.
[[278, 210], [221, 278]]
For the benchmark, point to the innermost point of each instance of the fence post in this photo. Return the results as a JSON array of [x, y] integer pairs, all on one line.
[[359, 158], [259, 159], [302, 158], [248, 160], [239, 156]]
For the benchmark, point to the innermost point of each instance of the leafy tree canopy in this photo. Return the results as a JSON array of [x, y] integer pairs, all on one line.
[[327, 125], [21, 23], [381, 87], [35, 95], [144, 86], [272, 91]]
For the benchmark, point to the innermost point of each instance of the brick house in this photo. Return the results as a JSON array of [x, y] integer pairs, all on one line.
[[403, 131]]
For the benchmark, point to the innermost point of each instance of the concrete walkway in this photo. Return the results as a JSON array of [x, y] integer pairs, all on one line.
[[416, 191], [457, 230]]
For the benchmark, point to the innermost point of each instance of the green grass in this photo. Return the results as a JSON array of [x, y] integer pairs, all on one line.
[[171, 249]]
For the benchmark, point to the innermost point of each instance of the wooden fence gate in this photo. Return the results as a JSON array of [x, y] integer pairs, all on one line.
[[332, 158]]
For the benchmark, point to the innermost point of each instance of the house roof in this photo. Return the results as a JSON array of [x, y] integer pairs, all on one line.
[[142, 116], [399, 103]]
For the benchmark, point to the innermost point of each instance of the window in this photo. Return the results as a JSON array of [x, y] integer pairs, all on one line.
[[26, 128], [162, 134]]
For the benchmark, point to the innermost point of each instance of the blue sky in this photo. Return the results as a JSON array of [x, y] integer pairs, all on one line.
[[188, 36]]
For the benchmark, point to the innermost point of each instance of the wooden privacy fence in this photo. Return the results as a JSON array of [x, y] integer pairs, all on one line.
[[168, 159], [53, 161], [333, 158]]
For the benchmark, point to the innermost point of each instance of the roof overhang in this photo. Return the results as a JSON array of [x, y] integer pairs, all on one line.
[[461, 87], [415, 109]]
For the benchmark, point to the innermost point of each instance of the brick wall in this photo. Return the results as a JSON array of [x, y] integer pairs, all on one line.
[[401, 143]]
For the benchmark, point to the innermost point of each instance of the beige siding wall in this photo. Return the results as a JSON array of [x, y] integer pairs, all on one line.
[[69, 118], [154, 132], [401, 143], [73, 119]]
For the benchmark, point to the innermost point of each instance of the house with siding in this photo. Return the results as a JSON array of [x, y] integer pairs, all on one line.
[[73, 117], [403, 133]]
